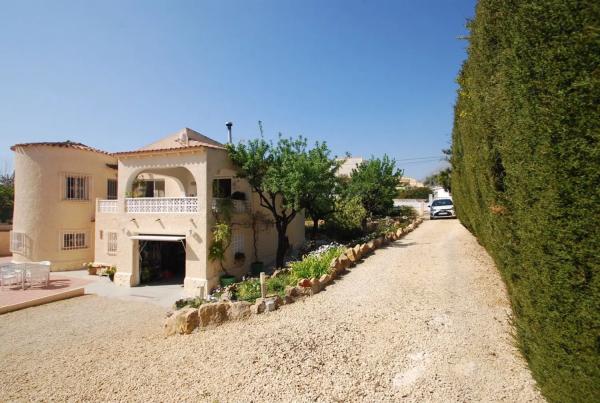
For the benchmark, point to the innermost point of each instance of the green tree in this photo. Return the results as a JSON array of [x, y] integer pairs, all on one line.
[[321, 184], [7, 196], [346, 222], [282, 176], [374, 182]]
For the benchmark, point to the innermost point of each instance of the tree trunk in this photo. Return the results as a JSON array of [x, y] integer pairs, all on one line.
[[363, 224], [281, 244], [315, 228], [255, 240]]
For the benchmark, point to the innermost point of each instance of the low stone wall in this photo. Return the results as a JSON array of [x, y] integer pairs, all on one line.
[[186, 320]]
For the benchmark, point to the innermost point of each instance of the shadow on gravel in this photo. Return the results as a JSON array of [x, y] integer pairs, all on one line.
[[402, 245]]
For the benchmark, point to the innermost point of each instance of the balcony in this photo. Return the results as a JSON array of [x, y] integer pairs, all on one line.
[[106, 206], [161, 205]]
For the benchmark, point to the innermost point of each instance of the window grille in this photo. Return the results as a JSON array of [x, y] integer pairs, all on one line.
[[74, 240], [111, 243], [17, 242], [111, 189], [222, 188], [238, 243], [76, 187]]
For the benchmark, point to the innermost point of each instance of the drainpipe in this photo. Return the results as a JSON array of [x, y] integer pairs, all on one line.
[[229, 139]]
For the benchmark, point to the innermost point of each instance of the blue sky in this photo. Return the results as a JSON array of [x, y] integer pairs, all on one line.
[[368, 77]]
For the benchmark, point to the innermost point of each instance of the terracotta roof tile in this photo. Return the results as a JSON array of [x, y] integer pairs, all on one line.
[[158, 150], [64, 144]]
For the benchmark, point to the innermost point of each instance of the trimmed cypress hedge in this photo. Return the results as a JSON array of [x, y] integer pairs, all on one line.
[[526, 177]]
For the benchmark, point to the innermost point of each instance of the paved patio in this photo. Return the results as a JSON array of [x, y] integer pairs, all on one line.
[[63, 285], [160, 294], [60, 287]]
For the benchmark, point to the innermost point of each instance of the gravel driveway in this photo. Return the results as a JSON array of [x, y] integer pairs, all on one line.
[[425, 319]]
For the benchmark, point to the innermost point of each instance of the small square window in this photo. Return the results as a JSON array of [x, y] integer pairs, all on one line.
[[74, 240], [76, 187], [222, 188]]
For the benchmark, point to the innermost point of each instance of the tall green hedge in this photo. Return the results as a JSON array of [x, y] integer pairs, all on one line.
[[526, 177]]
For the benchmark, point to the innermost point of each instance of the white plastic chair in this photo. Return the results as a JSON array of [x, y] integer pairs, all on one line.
[[39, 273], [8, 276]]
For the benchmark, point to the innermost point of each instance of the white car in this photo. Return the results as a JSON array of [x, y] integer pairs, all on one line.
[[442, 207]]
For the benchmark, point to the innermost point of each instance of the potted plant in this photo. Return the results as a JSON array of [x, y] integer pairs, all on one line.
[[110, 271], [91, 268]]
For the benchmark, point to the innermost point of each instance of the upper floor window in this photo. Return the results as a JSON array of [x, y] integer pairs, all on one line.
[[111, 189], [222, 188], [76, 187]]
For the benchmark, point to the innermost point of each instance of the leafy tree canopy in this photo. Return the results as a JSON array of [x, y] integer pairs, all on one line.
[[288, 177], [7, 196], [375, 182]]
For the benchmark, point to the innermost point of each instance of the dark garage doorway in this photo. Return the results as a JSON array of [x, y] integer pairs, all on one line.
[[162, 262]]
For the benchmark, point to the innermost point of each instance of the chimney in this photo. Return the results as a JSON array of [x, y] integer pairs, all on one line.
[[229, 139]]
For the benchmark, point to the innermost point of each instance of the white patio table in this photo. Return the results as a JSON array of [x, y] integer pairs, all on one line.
[[29, 270]]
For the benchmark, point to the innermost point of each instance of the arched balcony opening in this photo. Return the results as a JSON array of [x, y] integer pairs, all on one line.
[[156, 190], [161, 190]]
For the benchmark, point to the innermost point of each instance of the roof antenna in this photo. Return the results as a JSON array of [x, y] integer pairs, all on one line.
[[229, 124]]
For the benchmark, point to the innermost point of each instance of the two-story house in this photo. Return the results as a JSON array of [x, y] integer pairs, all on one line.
[[149, 212]]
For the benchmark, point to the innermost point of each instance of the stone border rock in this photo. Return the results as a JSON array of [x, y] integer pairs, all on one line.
[[186, 320]]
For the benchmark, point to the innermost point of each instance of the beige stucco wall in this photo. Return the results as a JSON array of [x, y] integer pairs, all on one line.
[[40, 212], [200, 166], [188, 167]]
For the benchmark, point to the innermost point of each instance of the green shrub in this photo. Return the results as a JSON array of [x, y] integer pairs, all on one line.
[[189, 302], [526, 177], [346, 222], [276, 285], [384, 226], [248, 290], [404, 214], [314, 265]]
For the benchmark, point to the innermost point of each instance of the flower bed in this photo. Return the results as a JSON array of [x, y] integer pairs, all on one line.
[[303, 278]]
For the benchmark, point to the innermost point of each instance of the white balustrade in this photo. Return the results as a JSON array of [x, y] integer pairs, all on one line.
[[107, 206], [161, 205]]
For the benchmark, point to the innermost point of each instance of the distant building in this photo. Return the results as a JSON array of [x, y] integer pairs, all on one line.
[[348, 165], [440, 192], [405, 182]]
